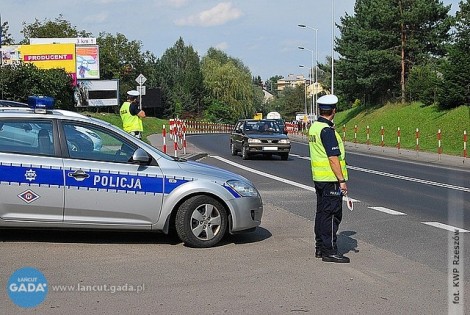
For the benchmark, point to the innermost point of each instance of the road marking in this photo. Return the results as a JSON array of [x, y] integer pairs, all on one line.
[[446, 227], [386, 210], [410, 179], [283, 180], [280, 179]]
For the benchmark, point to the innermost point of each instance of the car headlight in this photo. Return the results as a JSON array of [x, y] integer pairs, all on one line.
[[243, 188], [284, 141], [250, 140]]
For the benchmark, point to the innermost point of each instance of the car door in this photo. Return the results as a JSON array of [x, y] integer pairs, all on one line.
[[31, 172], [237, 136], [102, 186]]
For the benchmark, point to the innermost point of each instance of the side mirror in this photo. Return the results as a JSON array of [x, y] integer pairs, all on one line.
[[140, 156]]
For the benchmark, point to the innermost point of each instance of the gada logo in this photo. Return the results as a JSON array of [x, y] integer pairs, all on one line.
[[27, 287]]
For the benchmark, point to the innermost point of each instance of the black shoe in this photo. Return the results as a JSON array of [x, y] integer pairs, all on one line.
[[318, 253], [335, 258]]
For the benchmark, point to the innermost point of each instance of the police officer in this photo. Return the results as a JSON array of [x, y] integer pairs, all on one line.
[[329, 174], [132, 115]]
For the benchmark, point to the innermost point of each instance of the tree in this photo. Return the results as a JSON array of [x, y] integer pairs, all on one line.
[[424, 84], [456, 73], [59, 28], [424, 26], [228, 81], [5, 36], [181, 80], [17, 82], [383, 41]]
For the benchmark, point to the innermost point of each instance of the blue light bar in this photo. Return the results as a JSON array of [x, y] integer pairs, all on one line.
[[41, 102]]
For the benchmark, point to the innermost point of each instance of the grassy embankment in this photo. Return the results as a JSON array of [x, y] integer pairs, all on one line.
[[428, 119]]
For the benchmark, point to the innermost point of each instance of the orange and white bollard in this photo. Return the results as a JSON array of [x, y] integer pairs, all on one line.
[[398, 139], [355, 133], [175, 146], [439, 148], [417, 139], [368, 135], [465, 143], [164, 138], [184, 139], [382, 136]]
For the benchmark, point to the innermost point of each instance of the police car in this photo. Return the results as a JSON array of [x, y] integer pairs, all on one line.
[[124, 183]]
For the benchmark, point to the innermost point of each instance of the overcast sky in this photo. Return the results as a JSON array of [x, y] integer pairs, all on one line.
[[264, 34]]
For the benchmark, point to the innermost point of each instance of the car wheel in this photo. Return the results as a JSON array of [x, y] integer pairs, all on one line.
[[232, 149], [245, 154], [201, 221], [284, 156]]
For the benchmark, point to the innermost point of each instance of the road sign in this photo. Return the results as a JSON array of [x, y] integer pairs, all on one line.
[[141, 79], [141, 89]]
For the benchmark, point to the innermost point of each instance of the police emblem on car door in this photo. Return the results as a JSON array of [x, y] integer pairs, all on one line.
[[31, 174]]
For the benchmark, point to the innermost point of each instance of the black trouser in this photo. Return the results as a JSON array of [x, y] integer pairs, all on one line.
[[328, 216]]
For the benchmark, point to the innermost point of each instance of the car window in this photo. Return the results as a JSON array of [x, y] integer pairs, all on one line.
[[92, 143], [251, 127], [26, 137], [267, 126]]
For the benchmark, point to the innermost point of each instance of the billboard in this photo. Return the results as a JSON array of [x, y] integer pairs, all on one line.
[[50, 56], [76, 41], [88, 62], [10, 55], [96, 93]]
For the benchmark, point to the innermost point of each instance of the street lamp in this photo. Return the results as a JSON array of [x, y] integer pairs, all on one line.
[[311, 76], [332, 44], [305, 93], [316, 62]]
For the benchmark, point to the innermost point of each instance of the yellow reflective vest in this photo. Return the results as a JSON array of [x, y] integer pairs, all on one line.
[[130, 122], [321, 169]]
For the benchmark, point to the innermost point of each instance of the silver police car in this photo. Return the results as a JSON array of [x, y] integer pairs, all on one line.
[[57, 181]]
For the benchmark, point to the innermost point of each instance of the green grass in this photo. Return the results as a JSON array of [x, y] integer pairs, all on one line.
[[409, 117]]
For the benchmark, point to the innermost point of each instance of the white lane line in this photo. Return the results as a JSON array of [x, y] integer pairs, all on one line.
[[280, 179], [410, 179], [386, 210], [446, 227]]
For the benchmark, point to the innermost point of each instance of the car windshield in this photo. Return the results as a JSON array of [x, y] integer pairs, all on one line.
[[262, 126]]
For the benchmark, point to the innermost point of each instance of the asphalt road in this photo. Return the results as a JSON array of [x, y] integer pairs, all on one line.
[[398, 263], [410, 193]]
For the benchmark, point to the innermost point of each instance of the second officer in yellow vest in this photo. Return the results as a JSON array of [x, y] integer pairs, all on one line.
[[132, 115], [327, 157]]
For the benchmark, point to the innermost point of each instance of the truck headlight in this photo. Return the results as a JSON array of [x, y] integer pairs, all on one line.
[[243, 188]]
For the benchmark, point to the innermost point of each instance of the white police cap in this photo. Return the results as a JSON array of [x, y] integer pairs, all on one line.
[[133, 93], [327, 101]]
